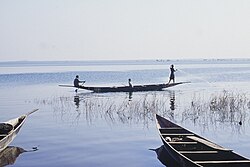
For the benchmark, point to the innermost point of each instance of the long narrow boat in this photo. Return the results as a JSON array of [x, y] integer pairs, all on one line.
[[9, 129], [187, 149], [135, 88]]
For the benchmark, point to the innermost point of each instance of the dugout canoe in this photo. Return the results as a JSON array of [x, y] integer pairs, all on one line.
[[135, 88], [10, 129], [187, 149]]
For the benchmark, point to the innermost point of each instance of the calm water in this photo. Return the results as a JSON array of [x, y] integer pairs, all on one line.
[[118, 129]]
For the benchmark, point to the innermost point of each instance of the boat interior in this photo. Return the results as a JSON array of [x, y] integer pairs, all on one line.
[[200, 150], [20, 120], [7, 128]]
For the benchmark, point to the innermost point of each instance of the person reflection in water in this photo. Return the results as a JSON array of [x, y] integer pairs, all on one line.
[[172, 71], [172, 103], [130, 96], [172, 100], [130, 91], [77, 101]]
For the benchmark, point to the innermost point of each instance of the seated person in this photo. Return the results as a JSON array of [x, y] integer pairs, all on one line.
[[77, 81]]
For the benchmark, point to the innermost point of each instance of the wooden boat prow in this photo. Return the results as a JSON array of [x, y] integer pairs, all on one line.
[[6, 137], [188, 149]]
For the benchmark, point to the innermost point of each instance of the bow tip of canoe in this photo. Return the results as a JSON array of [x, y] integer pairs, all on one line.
[[31, 112]]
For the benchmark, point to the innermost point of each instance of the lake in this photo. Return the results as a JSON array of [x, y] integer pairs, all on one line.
[[118, 129]]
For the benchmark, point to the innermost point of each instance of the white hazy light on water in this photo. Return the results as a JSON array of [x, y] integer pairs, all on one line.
[[124, 29]]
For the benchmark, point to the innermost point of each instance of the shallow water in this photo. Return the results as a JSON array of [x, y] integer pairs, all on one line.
[[118, 129]]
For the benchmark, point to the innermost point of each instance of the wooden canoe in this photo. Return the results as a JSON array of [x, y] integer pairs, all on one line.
[[135, 88], [9, 129], [188, 149]]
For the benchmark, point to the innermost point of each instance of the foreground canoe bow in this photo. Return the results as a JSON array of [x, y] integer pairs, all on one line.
[[135, 88], [187, 149], [9, 129]]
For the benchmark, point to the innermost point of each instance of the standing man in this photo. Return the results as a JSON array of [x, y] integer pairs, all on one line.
[[129, 83], [172, 71]]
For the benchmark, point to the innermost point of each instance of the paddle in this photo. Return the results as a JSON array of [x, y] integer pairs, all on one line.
[[67, 86]]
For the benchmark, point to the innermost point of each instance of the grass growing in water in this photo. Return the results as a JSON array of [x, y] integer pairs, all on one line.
[[225, 107]]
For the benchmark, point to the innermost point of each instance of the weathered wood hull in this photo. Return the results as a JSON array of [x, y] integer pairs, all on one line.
[[190, 150], [135, 88], [17, 123]]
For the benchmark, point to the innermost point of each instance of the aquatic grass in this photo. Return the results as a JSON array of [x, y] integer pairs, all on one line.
[[228, 101], [114, 110], [227, 107]]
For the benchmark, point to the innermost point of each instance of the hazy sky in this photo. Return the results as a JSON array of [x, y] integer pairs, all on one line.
[[123, 29]]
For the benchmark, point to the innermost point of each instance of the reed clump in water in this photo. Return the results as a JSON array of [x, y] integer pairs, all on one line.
[[114, 109], [227, 107], [228, 102]]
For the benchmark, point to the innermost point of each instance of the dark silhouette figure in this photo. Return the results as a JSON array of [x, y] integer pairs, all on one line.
[[129, 83], [77, 81], [172, 71], [130, 91]]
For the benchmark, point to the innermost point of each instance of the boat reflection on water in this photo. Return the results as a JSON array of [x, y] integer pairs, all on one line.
[[164, 157], [9, 155], [79, 97]]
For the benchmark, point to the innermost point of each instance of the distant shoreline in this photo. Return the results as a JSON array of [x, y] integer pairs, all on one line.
[[117, 62]]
